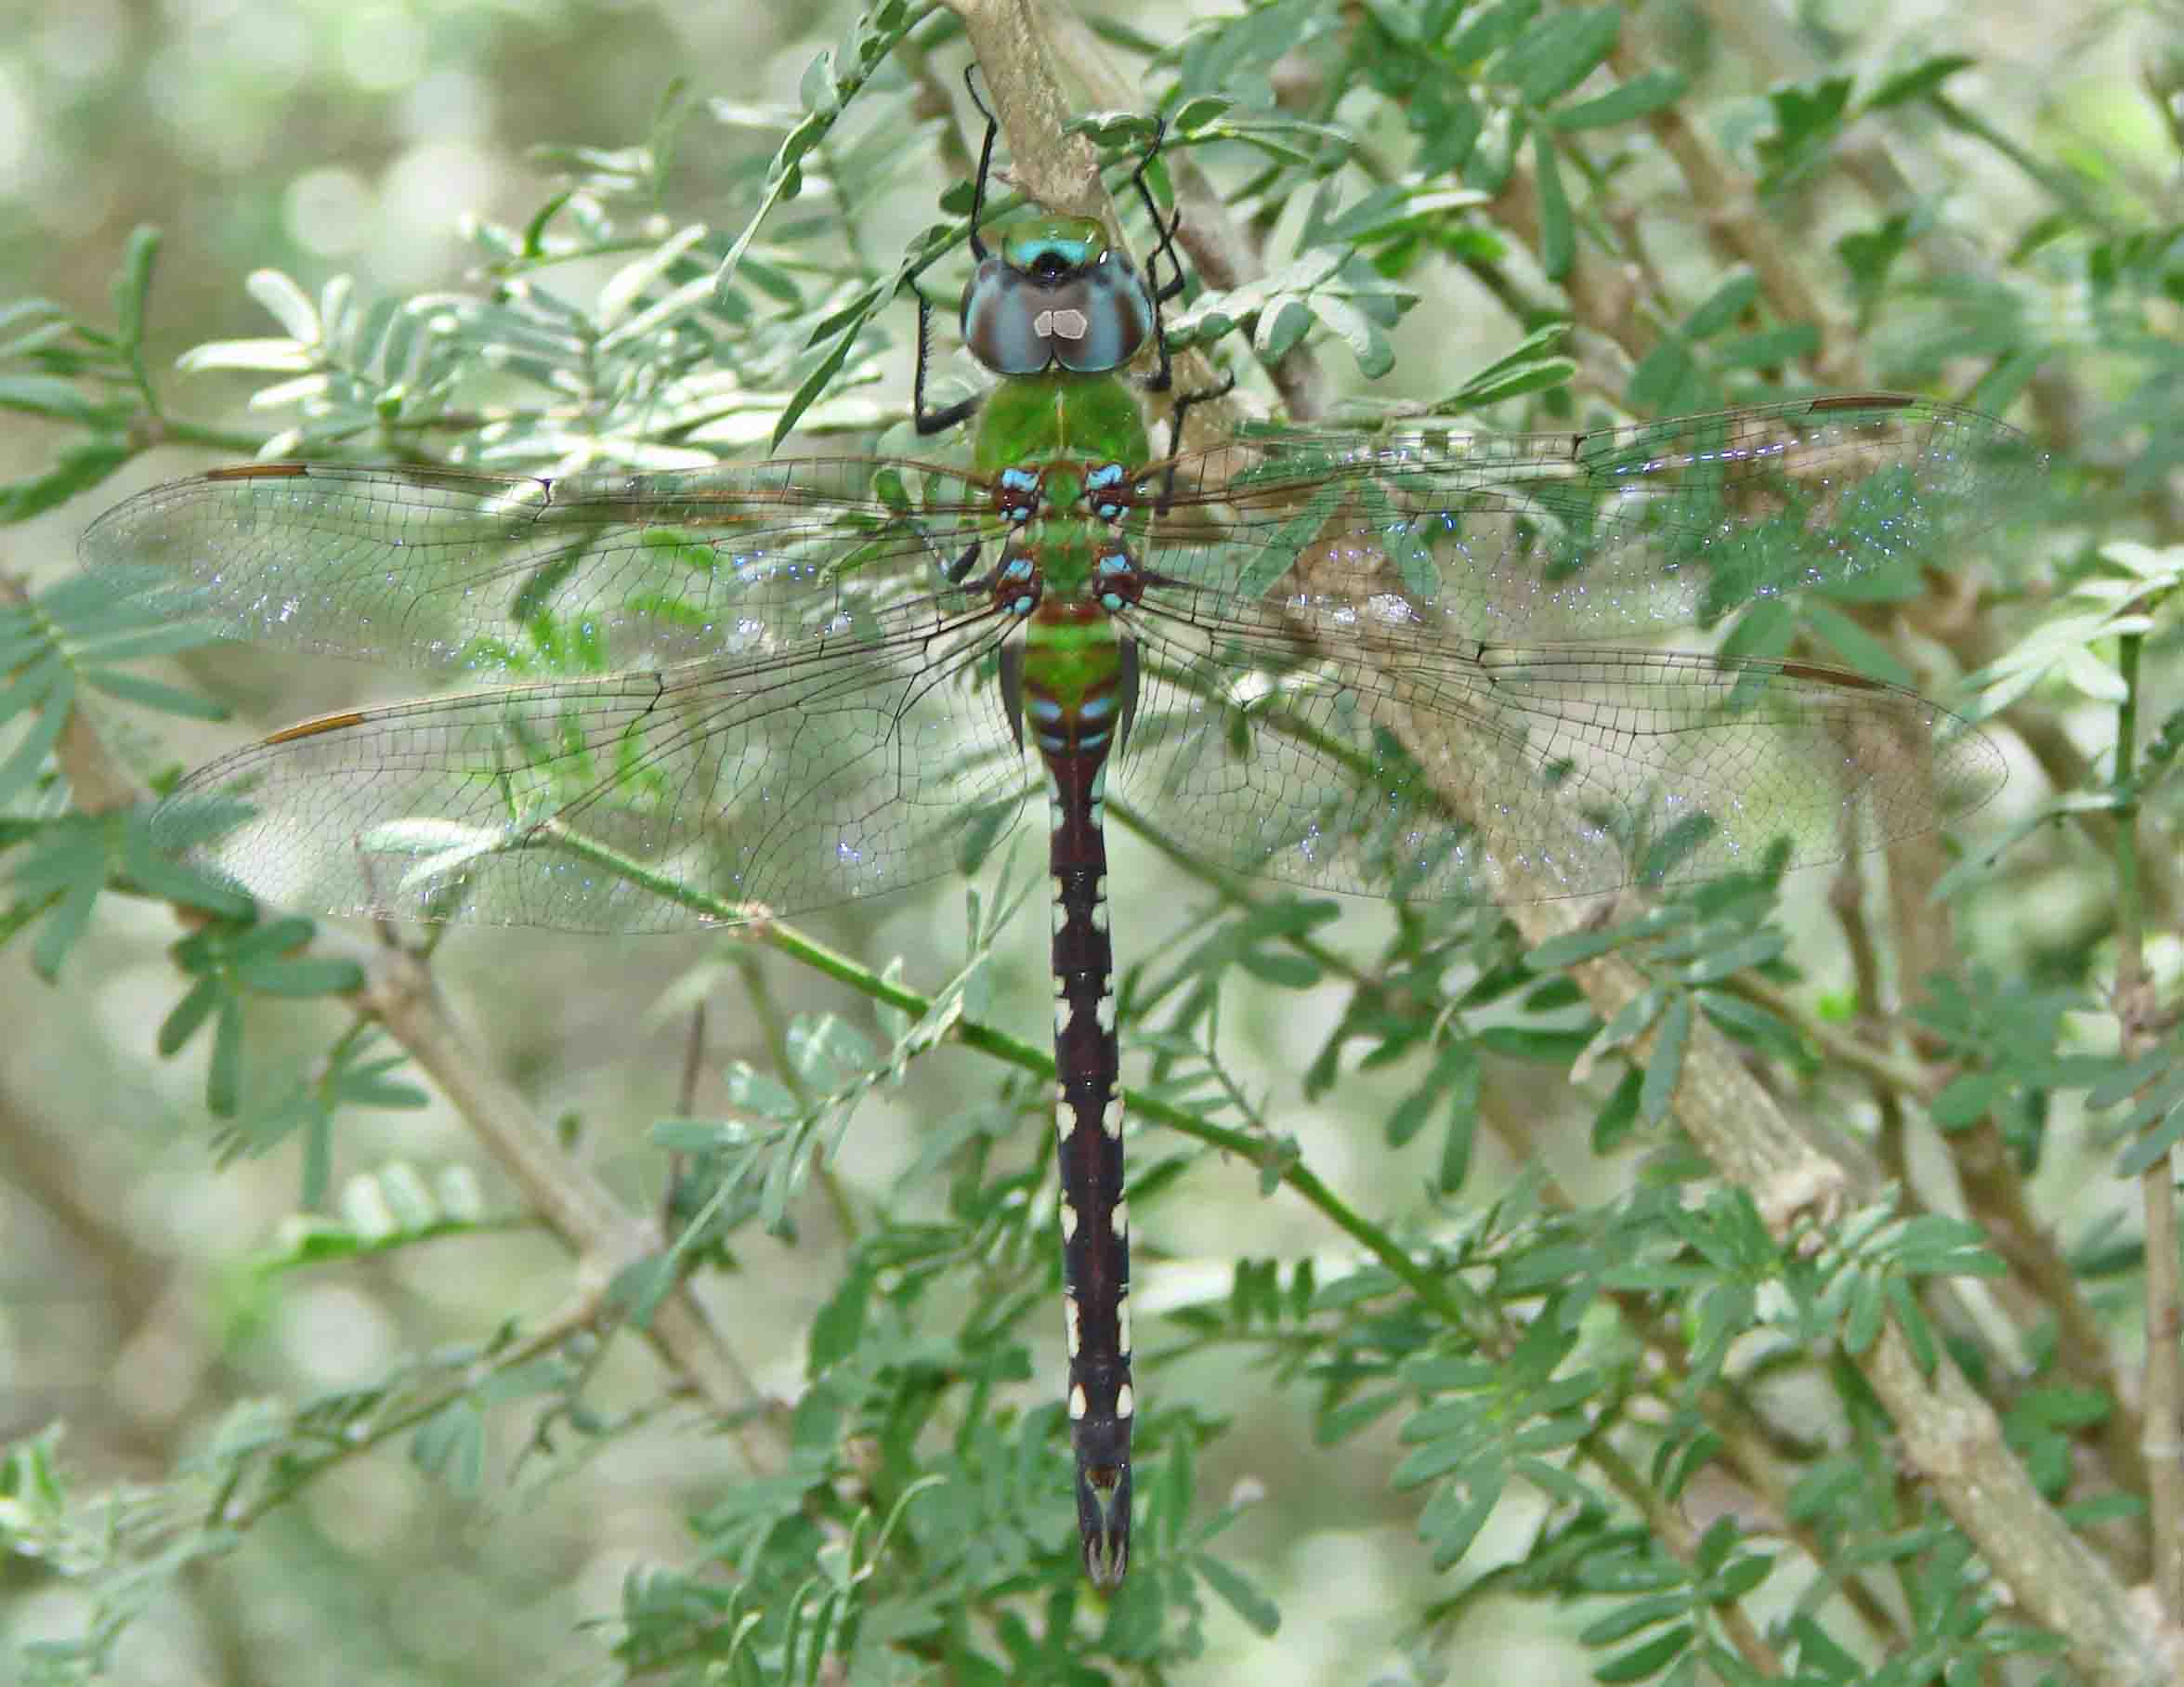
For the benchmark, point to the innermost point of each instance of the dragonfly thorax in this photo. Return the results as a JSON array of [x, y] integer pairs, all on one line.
[[1055, 295], [1068, 569]]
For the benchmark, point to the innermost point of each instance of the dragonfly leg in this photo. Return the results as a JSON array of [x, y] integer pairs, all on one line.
[[940, 421], [959, 569], [1161, 293], [1164, 227], [1181, 409], [993, 129], [932, 421], [1012, 686]]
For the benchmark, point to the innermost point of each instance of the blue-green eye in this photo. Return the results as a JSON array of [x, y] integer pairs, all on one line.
[[1055, 295]]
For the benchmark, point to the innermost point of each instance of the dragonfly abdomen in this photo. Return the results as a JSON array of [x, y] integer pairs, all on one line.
[[1073, 681]]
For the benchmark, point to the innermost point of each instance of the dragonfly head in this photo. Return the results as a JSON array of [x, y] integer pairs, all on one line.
[[1053, 291]]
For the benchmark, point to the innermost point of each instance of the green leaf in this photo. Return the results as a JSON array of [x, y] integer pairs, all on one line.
[[451, 1444], [1490, 29], [1858, 647], [1869, 253], [80, 468], [49, 396], [1463, 1123], [1368, 345], [187, 1015], [1458, 1510], [1668, 379], [222, 1079], [132, 643], [1919, 80], [839, 1325], [1808, 117], [1353, 1418], [813, 385], [1759, 948], [132, 285], [151, 694], [301, 977], [1754, 1026], [1724, 305], [65, 924], [2153, 1148], [1198, 112], [40, 683], [1665, 1067], [1260, 1613], [1558, 239], [27, 760], [1570, 949], [1554, 56], [1618, 1114], [1640, 96], [1967, 1098], [1769, 348], [1918, 1335], [1628, 1618], [1648, 1659], [1866, 1311], [1500, 384]]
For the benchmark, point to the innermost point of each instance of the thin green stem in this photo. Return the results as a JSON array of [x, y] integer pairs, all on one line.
[[213, 438], [1670, 1527], [2057, 184], [1226, 884], [298, 1474], [755, 926]]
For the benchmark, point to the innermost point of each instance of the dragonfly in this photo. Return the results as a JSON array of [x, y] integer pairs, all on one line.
[[1362, 662]]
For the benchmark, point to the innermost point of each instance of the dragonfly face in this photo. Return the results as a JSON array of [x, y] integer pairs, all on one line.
[[1351, 662], [1055, 296]]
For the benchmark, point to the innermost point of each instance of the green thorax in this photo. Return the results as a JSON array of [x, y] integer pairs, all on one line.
[[1070, 433], [1065, 430], [1031, 421]]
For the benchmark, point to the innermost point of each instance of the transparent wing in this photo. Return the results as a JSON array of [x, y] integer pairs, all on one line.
[[703, 794], [449, 570], [784, 705], [1560, 536], [1357, 680], [1351, 674]]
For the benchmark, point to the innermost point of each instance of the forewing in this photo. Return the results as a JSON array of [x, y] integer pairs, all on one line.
[[1548, 537], [505, 576]]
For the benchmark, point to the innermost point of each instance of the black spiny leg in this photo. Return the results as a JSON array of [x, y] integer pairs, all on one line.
[[932, 421], [1164, 227], [940, 421], [1184, 400], [1163, 377], [993, 129]]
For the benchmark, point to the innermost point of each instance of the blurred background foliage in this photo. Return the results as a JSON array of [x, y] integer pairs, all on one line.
[[435, 1474]]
